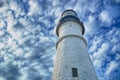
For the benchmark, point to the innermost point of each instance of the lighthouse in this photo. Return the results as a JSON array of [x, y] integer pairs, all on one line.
[[72, 60]]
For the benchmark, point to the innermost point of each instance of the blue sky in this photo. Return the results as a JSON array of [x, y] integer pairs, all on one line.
[[28, 38]]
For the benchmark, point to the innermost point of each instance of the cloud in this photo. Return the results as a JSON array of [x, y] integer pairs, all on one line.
[[105, 18], [34, 7], [116, 48], [27, 41], [111, 67], [100, 53], [10, 70], [2, 78], [113, 71], [2, 33], [117, 1], [90, 24], [27, 37]]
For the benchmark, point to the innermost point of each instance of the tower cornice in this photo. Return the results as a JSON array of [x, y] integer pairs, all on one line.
[[80, 37]]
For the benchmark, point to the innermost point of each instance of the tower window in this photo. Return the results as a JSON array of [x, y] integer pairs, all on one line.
[[74, 72]]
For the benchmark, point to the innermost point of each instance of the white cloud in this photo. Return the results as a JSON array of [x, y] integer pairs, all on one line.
[[2, 45], [18, 52], [90, 26], [97, 63], [101, 51], [2, 33], [24, 21], [34, 7], [112, 65], [3, 8], [29, 31], [99, 55], [28, 54], [11, 44], [6, 59], [113, 35], [13, 5], [10, 22], [2, 24], [105, 18], [50, 69], [118, 56], [57, 13], [24, 73], [55, 2], [93, 47], [96, 41], [117, 1], [79, 6], [116, 48], [2, 78]]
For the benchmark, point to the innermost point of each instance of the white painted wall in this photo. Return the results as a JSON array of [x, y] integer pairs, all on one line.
[[69, 28], [72, 53]]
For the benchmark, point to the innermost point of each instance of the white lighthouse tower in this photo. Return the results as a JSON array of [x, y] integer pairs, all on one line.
[[72, 60]]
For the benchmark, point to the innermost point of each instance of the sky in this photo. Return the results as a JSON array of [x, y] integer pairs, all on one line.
[[28, 38]]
